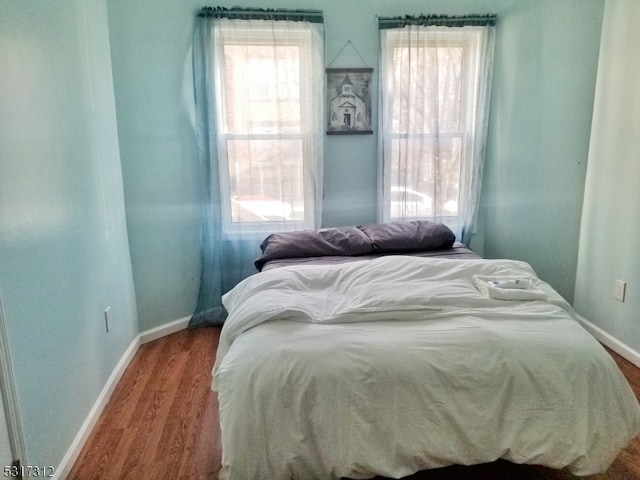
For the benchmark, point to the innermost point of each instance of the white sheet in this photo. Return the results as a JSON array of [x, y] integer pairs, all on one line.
[[399, 364]]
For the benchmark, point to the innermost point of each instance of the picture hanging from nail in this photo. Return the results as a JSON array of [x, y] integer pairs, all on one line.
[[349, 101]]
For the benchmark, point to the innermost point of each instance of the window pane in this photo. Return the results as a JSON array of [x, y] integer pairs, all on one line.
[[262, 93], [435, 91], [424, 177], [427, 94], [266, 180]]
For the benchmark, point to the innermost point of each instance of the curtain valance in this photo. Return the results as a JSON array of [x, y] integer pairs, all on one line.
[[236, 13], [437, 21]]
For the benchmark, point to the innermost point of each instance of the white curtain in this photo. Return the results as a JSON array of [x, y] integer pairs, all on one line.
[[259, 102], [269, 135], [435, 90]]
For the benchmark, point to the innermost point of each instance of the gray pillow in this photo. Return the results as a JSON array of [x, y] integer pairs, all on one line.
[[409, 236], [342, 241]]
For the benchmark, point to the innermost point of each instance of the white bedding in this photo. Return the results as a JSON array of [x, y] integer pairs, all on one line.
[[399, 364]]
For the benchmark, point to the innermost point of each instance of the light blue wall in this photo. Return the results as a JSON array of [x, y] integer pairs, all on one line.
[[546, 63], [64, 255], [546, 58], [611, 221], [150, 44]]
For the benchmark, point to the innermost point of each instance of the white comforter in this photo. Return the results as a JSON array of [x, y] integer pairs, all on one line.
[[400, 364]]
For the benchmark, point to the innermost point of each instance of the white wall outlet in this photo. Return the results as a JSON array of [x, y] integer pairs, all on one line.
[[620, 290], [107, 319]]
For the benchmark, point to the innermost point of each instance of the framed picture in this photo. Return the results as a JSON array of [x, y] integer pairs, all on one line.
[[349, 101]]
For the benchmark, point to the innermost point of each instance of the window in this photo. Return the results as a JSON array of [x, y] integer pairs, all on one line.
[[433, 90], [269, 117]]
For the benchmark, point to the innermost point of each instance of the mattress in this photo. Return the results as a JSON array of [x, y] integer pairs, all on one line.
[[397, 364]]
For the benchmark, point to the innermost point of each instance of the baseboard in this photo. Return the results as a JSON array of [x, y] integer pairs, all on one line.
[[75, 449], [164, 330], [610, 341]]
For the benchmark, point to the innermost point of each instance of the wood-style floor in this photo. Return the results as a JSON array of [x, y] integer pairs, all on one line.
[[162, 419], [162, 423]]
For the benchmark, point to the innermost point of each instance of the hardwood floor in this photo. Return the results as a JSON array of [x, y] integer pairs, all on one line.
[[162, 423], [162, 420]]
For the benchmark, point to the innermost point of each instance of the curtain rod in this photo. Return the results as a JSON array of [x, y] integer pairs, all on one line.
[[239, 13], [436, 20]]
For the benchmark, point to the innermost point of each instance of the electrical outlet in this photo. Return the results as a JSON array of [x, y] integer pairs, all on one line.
[[620, 290], [107, 319]]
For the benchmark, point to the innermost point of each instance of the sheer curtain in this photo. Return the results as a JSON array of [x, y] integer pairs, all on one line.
[[435, 89], [259, 110]]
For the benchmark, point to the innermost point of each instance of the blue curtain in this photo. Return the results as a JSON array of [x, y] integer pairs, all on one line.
[[225, 260], [228, 256]]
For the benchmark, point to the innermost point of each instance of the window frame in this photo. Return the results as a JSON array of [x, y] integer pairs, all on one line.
[[298, 34], [470, 39]]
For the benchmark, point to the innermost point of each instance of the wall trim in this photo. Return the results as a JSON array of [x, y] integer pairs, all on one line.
[[65, 466], [610, 341], [164, 330]]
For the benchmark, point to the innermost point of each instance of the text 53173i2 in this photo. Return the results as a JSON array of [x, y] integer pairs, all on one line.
[[28, 471]]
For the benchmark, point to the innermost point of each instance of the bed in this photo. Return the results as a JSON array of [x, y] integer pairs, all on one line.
[[388, 349]]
